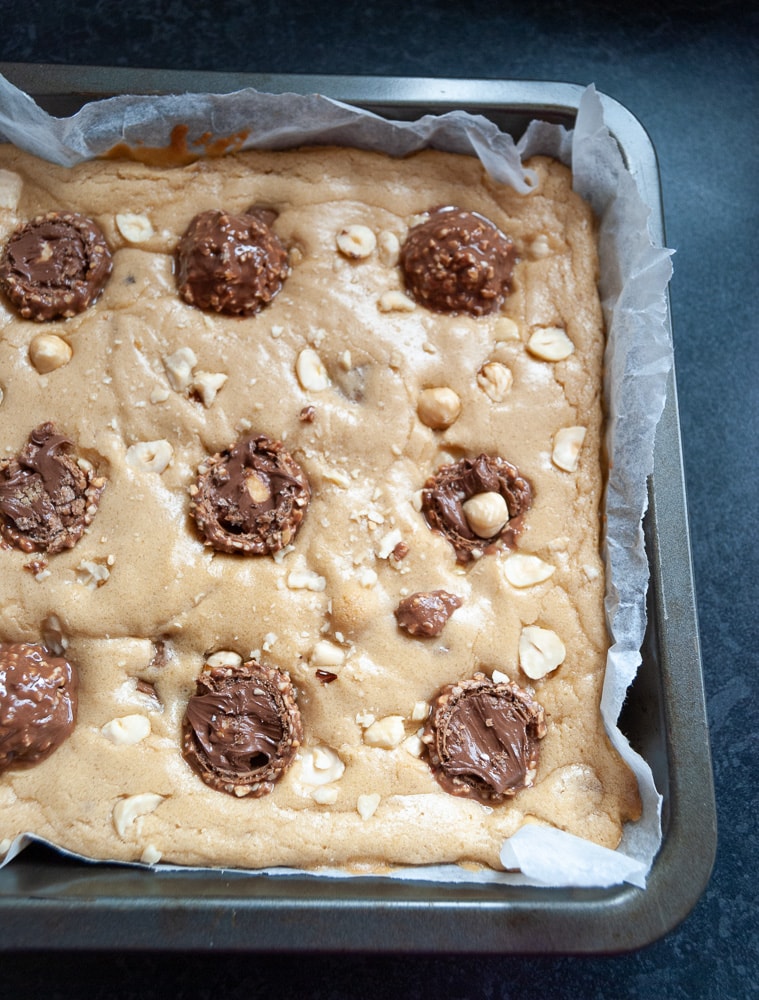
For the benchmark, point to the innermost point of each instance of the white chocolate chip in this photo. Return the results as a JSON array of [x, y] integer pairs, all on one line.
[[506, 329], [128, 810], [306, 579], [550, 343], [92, 574], [420, 711], [364, 719], [327, 654], [438, 407], [540, 651], [10, 189], [566, 447], [151, 855], [127, 730], [311, 373], [413, 745], [366, 805], [486, 513], [356, 242], [395, 301], [150, 456], [207, 385], [48, 352], [325, 795], [495, 380], [499, 677], [540, 247], [385, 733], [525, 570], [338, 477], [319, 766], [389, 248], [367, 577], [224, 658], [134, 228], [179, 367], [159, 395], [388, 543]]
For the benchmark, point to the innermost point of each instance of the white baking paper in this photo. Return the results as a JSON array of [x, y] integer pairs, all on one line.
[[634, 278]]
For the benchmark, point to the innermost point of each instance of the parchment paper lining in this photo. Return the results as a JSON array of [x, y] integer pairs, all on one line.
[[634, 278]]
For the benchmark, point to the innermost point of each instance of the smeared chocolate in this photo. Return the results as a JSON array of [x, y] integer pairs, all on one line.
[[55, 266], [445, 493], [242, 728], [38, 701], [250, 498], [426, 614], [233, 264], [482, 738], [457, 262], [47, 498]]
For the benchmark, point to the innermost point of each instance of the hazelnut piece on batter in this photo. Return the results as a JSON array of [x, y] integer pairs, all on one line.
[[242, 728], [250, 498], [426, 614], [232, 264], [55, 266], [457, 261], [481, 738], [38, 701], [47, 497], [446, 494]]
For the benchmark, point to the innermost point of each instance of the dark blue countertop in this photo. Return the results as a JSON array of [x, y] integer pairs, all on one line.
[[689, 72]]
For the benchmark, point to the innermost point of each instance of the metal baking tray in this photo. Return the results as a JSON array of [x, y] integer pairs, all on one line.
[[54, 902]]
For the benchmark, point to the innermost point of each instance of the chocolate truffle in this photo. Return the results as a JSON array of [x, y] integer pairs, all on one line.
[[55, 266], [233, 264], [457, 262], [482, 738], [38, 700], [242, 728]]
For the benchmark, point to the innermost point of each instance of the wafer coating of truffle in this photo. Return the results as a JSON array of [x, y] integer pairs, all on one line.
[[457, 262], [47, 497], [250, 498], [233, 264], [482, 738], [242, 728], [55, 266], [38, 701]]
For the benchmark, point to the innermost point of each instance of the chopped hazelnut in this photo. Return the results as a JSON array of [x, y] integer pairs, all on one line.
[[523, 570], [48, 352], [550, 343], [134, 228], [540, 651], [566, 448], [495, 380], [438, 407], [486, 513], [356, 242], [310, 370]]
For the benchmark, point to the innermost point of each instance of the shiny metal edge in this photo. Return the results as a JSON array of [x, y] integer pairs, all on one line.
[[49, 902]]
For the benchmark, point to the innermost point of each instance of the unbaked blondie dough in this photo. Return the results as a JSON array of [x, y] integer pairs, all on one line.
[[363, 617]]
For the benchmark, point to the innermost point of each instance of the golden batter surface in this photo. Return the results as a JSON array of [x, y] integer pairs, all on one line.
[[370, 393]]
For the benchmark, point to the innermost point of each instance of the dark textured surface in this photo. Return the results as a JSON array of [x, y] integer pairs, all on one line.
[[689, 73]]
